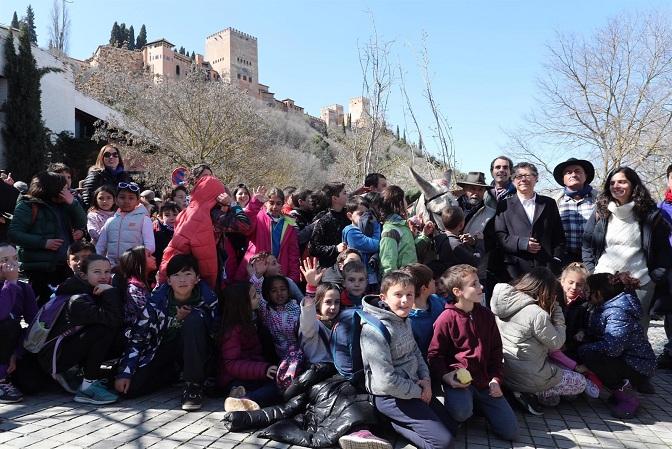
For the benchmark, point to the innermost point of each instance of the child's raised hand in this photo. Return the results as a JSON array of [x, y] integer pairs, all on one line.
[[100, 288], [260, 193], [258, 267], [495, 389], [224, 199], [271, 371], [311, 272]]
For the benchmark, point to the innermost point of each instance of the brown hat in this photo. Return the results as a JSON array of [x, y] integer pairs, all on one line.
[[474, 178]]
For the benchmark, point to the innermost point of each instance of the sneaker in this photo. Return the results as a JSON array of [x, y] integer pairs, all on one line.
[[69, 381], [9, 394], [664, 361], [192, 398], [363, 439], [592, 390], [240, 405], [96, 393], [529, 403]]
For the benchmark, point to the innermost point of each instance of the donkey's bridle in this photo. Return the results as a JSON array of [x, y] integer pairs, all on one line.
[[438, 195]]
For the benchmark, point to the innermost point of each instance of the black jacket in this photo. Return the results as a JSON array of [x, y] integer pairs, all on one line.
[[8, 196], [513, 230], [327, 234], [96, 178]]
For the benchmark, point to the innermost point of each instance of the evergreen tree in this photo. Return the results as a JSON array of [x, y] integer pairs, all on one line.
[[131, 38], [182, 51], [343, 126], [30, 23], [420, 143], [114, 34], [397, 132], [404, 138], [24, 133], [141, 41], [15, 21], [123, 35], [193, 56], [350, 121]]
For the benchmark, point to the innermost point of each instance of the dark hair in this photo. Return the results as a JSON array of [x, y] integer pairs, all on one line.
[[492, 164], [669, 170], [542, 285], [176, 189], [60, 168], [353, 267], [332, 189], [236, 306], [169, 206], [133, 263], [319, 201], [422, 275], [46, 186], [197, 171], [302, 195], [80, 245], [241, 187], [372, 179], [104, 188], [354, 202], [525, 165], [452, 216], [181, 262], [322, 291], [345, 253], [84, 265], [268, 283], [289, 191], [276, 192], [100, 162], [455, 276], [611, 285], [393, 201], [396, 277], [644, 204]]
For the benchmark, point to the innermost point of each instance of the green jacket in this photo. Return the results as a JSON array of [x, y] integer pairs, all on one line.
[[397, 246], [30, 234]]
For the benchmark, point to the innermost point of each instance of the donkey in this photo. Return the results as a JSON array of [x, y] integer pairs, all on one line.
[[434, 198]]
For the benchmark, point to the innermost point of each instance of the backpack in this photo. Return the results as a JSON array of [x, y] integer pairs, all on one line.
[[37, 335], [345, 342]]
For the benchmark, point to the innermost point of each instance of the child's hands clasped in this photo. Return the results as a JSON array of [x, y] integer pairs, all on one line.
[[182, 312], [311, 272], [100, 288], [426, 385], [271, 371], [495, 389]]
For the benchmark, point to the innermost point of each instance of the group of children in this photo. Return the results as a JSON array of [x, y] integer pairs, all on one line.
[[241, 325]]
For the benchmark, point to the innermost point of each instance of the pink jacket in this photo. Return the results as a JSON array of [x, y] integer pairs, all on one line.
[[241, 357]]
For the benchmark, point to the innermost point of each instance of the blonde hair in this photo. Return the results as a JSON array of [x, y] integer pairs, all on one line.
[[574, 267]]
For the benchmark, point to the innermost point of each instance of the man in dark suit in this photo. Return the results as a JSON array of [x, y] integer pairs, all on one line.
[[528, 227]]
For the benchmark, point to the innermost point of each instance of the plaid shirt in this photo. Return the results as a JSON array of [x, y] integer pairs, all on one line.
[[574, 215]]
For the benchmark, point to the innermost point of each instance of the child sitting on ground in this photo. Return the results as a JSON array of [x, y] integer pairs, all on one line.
[[466, 356], [101, 210], [450, 248], [77, 252], [354, 284], [356, 237]]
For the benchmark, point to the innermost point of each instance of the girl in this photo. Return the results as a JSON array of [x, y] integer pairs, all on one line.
[[129, 227], [85, 330], [265, 264], [136, 266], [397, 246], [272, 232], [531, 325], [229, 220], [242, 195], [243, 369], [617, 348], [101, 210]]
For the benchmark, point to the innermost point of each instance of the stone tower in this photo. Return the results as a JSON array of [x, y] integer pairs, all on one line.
[[359, 111], [233, 54]]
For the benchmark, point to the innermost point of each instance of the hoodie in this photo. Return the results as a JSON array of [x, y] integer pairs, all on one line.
[[528, 334], [391, 369]]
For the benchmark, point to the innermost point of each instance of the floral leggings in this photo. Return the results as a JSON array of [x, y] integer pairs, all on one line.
[[572, 384]]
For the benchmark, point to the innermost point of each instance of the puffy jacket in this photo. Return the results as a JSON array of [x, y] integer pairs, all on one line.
[[617, 333], [528, 334], [230, 226], [326, 236], [367, 246], [95, 220], [122, 232], [324, 408], [31, 235], [96, 178], [260, 241], [241, 356], [194, 233], [397, 246]]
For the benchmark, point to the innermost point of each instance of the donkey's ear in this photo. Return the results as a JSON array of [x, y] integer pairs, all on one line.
[[448, 176], [427, 188]]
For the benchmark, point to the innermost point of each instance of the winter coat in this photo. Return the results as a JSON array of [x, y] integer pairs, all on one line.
[[17, 302], [31, 235], [367, 246], [467, 340], [391, 369], [324, 408], [124, 231], [327, 234], [397, 246], [261, 241], [241, 356], [146, 335], [194, 232], [234, 223], [97, 178], [528, 334], [314, 335], [95, 220], [615, 330], [8, 196], [162, 237]]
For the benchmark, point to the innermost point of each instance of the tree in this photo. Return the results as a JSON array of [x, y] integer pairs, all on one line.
[[30, 23], [141, 41], [397, 134], [131, 38], [77, 153], [193, 56], [15, 21], [59, 28], [122, 39], [182, 51], [114, 35]]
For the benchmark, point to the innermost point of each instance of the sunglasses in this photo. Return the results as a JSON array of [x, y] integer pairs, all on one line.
[[133, 187], [109, 155]]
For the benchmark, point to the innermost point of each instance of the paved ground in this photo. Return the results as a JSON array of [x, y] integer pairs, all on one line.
[[53, 420]]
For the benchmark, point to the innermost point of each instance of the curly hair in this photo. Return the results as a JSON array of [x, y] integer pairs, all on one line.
[[644, 204]]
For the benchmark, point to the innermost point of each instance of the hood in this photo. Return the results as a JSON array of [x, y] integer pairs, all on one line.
[[375, 306], [507, 301], [74, 285], [627, 303], [205, 193]]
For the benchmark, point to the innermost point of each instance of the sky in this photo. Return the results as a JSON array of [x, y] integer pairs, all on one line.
[[485, 56]]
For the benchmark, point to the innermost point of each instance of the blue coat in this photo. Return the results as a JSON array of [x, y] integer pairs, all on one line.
[[616, 332]]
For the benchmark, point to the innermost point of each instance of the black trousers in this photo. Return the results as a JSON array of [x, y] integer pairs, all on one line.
[[612, 370], [10, 339], [40, 281]]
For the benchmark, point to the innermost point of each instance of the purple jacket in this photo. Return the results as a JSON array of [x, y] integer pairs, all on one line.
[[17, 301], [666, 212]]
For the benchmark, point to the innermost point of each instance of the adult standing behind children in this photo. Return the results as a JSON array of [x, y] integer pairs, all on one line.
[[108, 170], [46, 221], [325, 243]]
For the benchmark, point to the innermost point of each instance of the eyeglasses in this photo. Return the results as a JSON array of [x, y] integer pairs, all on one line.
[[519, 177], [109, 155], [133, 187]]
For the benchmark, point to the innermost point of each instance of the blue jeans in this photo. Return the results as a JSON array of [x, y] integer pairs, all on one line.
[[460, 403], [263, 392]]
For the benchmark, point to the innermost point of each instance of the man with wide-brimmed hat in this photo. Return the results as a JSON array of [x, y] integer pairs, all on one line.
[[576, 203]]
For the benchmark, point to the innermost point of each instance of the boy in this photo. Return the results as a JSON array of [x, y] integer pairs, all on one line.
[[181, 322], [325, 243], [451, 247], [466, 338], [355, 235], [77, 252], [395, 372], [17, 301], [164, 228], [354, 284], [427, 307], [334, 273]]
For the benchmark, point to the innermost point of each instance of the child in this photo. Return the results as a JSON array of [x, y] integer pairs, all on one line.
[[101, 210], [449, 246], [395, 372], [179, 196], [334, 273], [179, 324], [354, 284], [466, 338], [243, 369], [230, 224], [617, 348], [397, 245], [77, 252], [17, 302], [356, 237], [129, 227], [164, 228], [88, 326], [271, 232], [265, 264], [136, 266], [427, 306]]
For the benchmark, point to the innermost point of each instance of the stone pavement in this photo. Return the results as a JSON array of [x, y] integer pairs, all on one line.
[[54, 420]]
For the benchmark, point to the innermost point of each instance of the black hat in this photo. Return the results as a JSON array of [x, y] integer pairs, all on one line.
[[474, 178], [558, 171]]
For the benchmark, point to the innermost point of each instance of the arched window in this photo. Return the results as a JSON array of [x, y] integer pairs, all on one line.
[[177, 70]]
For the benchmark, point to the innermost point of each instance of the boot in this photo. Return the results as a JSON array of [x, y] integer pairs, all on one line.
[[624, 401]]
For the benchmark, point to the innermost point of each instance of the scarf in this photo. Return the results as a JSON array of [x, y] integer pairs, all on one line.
[[668, 196], [579, 194], [116, 171]]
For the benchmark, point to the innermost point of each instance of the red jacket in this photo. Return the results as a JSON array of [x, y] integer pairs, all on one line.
[[241, 357], [194, 232], [467, 340], [260, 241]]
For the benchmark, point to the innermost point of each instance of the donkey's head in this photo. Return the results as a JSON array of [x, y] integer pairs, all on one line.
[[436, 196]]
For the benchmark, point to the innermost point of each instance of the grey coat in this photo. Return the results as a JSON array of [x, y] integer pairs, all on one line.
[[528, 334]]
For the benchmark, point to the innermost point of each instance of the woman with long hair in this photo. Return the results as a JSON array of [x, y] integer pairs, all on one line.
[[107, 170]]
